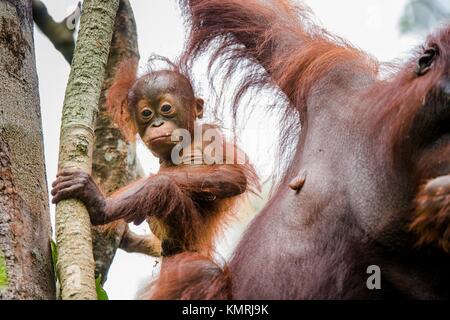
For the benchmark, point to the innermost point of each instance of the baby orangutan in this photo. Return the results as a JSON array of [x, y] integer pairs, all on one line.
[[185, 203]]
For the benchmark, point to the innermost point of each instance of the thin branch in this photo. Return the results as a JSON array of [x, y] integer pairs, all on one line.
[[57, 32], [76, 266], [145, 244]]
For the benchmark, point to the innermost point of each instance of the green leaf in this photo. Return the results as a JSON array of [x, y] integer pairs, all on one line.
[[3, 271], [101, 293], [55, 269]]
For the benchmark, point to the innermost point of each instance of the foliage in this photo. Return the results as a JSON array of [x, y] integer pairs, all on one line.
[[422, 16], [101, 293], [3, 272], [54, 258], [55, 269]]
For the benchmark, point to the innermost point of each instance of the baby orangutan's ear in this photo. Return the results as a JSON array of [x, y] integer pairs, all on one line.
[[199, 103], [117, 99]]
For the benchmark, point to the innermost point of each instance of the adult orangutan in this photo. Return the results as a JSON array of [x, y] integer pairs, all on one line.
[[189, 199], [368, 182]]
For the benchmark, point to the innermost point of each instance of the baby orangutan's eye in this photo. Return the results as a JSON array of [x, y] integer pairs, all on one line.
[[146, 113], [166, 108]]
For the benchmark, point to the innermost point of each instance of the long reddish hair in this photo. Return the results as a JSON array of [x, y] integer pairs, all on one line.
[[288, 57], [293, 54], [274, 44], [117, 98]]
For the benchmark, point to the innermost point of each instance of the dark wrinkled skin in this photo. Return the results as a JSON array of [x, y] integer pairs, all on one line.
[[153, 93], [367, 144], [354, 210], [77, 184]]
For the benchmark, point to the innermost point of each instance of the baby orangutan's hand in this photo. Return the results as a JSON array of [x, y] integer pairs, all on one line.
[[76, 184]]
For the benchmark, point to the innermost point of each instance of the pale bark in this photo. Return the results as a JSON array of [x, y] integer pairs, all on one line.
[[25, 229], [114, 162], [73, 229]]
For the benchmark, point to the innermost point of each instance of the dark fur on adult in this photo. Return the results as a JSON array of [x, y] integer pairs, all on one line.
[[375, 153]]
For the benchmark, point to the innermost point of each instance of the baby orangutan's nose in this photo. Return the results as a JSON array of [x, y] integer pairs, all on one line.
[[157, 123]]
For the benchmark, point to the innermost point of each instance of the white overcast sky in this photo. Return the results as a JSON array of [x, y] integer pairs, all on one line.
[[371, 25]]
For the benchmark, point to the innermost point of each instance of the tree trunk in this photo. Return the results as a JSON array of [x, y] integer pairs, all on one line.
[[25, 229], [73, 229], [114, 161]]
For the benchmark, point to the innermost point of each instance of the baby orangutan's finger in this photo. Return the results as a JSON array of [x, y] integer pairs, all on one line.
[[67, 193], [63, 179], [69, 172], [65, 185]]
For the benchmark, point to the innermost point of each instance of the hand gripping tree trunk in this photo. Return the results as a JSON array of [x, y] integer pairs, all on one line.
[[25, 229], [114, 161], [73, 229]]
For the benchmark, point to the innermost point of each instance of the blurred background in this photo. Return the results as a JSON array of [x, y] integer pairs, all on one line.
[[386, 29]]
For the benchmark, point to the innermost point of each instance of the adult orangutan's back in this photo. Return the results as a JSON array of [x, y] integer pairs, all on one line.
[[368, 186]]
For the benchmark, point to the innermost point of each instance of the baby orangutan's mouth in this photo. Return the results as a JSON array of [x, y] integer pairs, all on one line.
[[432, 214], [164, 136]]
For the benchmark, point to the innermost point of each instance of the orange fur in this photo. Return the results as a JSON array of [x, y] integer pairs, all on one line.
[[189, 276], [432, 216], [117, 98]]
